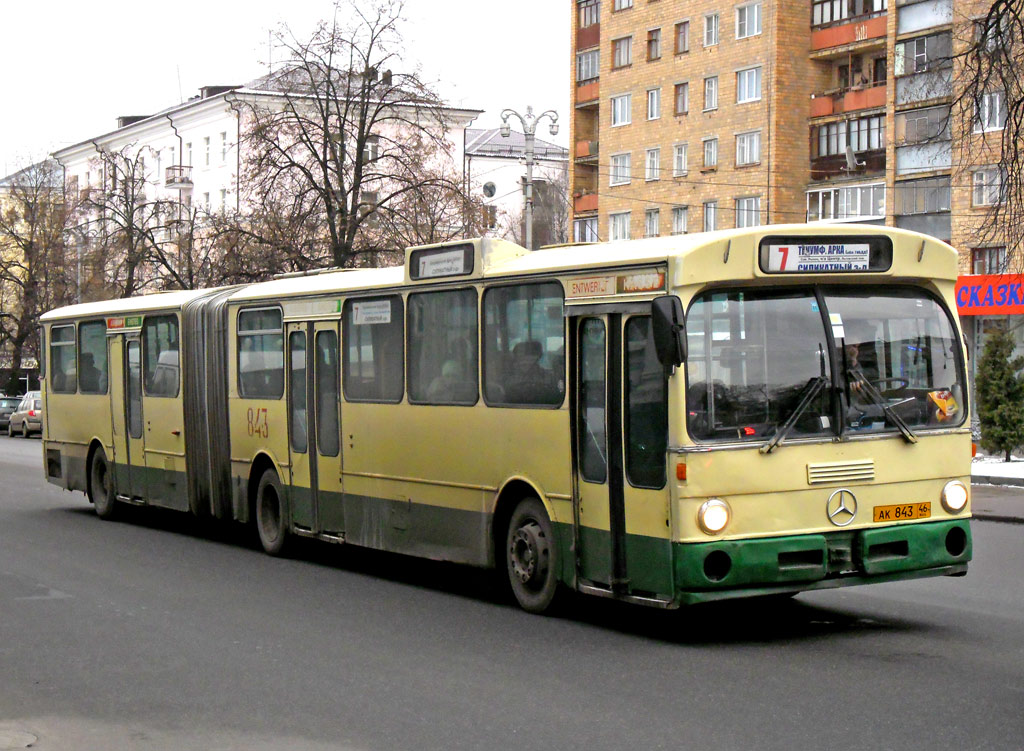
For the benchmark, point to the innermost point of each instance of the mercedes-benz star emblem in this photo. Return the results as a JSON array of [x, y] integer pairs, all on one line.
[[841, 507]]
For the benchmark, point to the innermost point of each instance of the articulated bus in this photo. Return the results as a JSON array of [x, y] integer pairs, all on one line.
[[665, 421]]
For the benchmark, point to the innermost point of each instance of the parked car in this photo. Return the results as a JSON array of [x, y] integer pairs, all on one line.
[[8, 404], [28, 417]]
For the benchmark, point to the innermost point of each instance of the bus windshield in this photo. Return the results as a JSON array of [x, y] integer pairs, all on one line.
[[756, 355]]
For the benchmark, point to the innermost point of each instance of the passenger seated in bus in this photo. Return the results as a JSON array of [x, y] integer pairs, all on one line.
[[447, 387], [89, 378], [528, 382]]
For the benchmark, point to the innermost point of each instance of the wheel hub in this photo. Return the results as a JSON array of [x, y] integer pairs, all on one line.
[[529, 553]]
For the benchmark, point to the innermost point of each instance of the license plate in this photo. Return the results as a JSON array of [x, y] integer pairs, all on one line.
[[901, 512]]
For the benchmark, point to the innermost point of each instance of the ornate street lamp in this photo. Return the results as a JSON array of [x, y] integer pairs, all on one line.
[[529, 122]]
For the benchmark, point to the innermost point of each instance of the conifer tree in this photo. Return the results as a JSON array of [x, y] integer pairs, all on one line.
[[1000, 391]]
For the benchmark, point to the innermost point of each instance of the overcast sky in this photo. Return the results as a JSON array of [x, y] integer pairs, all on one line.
[[68, 69]]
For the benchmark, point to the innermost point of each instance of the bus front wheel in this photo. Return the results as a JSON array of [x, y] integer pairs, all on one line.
[[531, 556], [271, 513], [101, 487]]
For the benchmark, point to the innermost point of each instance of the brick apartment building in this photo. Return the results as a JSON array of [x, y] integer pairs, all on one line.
[[693, 115]]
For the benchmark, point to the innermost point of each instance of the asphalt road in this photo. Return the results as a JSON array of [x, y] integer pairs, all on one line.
[[158, 633]]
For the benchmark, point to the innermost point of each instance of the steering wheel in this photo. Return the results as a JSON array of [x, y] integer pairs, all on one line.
[[881, 382]]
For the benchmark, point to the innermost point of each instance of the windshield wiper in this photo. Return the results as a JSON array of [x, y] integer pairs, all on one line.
[[878, 400], [810, 391]]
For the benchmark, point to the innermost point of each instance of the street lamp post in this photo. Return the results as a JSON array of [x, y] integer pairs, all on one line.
[[529, 122]]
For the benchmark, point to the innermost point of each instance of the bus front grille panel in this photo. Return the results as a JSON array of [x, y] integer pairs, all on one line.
[[824, 473]]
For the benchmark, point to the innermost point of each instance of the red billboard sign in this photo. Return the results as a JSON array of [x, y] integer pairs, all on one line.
[[990, 294]]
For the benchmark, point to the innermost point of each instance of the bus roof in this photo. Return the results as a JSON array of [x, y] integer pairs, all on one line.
[[346, 279], [143, 303]]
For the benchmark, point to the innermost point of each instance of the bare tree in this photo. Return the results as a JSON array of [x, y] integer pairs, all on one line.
[[33, 268], [348, 144], [988, 121]]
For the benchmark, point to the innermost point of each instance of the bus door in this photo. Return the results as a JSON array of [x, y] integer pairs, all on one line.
[[126, 408], [621, 439], [314, 431]]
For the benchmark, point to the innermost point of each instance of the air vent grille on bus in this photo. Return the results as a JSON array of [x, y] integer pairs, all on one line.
[[861, 470]]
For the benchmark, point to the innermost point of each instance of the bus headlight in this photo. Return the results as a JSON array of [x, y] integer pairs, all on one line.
[[954, 496], [713, 516]]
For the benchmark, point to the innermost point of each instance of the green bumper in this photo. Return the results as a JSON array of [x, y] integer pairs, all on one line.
[[741, 568]]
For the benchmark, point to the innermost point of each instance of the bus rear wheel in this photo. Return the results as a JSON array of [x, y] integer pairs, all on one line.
[[101, 487], [271, 513], [531, 557]]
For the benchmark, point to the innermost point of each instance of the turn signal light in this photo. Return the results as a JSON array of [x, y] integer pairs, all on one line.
[[681, 471], [974, 450]]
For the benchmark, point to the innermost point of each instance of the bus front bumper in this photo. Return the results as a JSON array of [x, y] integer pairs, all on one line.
[[742, 568]]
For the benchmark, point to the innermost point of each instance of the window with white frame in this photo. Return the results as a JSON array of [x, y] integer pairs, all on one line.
[[851, 202], [652, 164], [682, 98], [653, 104], [620, 169], [223, 200], [682, 37], [987, 187], [585, 230], [588, 65], [748, 148], [206, 151], [862, 134], [748, 85], [991, 112], [748, 20], [710, 153], [618, 226], [622, 52], [223, 146], [710, 215], [622, 4], [590, 13], [652, 222], [711, 93], [679, 160], [621, 109], [679, 220], [710, 29], [748, 211]]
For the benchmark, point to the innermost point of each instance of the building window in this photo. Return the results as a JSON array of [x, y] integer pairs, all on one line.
[[853, 202], [918, 126], [223, 200], [653, 104], [590, 13], [988, 187], [748, 148], [988, 260], [621, 109], [710, 153], [622, 4], [711, 93], [618, 226], [710, 29], [652, 221], [206, 202], [927, 196], [188, 154], [682, 98], [710, 215], [863, 134], [679, 160], [223, 146], [679, 220], [588, 66], [206, 151], [748, 85], [682, 37], [923, 53], [490, 216], [829, 11], [620, 169], [622, 52], [748, 20], [652, 165], [654, 44], [991, 112], [748, 211], [585, 230]]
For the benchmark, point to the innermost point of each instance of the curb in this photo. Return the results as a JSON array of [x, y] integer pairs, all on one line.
[[996, 518], [1017, 482]]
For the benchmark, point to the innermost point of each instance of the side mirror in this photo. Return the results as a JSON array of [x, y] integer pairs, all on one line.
[[669, 330]]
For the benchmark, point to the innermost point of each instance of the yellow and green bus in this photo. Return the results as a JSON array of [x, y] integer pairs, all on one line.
[[664, 421]]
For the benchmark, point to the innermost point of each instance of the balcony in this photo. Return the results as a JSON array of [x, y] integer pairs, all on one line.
[[856, 30], [587, 92], [835, 165], [588, 36], [178, 177], [922, 87], [584, 203], [847, 100], [586, 151]]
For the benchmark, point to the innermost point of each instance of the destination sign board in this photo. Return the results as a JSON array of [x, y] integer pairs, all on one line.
[[825, 254]]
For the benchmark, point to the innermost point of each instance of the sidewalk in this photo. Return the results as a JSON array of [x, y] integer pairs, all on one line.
[[998, 489]]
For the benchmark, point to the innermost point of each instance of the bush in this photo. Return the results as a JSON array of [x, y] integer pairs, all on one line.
[[1000, 391]]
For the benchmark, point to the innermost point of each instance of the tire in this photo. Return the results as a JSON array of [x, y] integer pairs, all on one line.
[[101, 487], [10, 430], [272, 517], [24, 429], [531, 557]]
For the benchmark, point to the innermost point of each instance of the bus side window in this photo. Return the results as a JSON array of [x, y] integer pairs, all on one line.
[[260, 354], [443, 358], [92, 357], [373, 338], [160, 356], [63, 359], [646, 407]]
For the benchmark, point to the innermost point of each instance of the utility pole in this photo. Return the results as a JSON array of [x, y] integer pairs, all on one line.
[[529, 122]]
